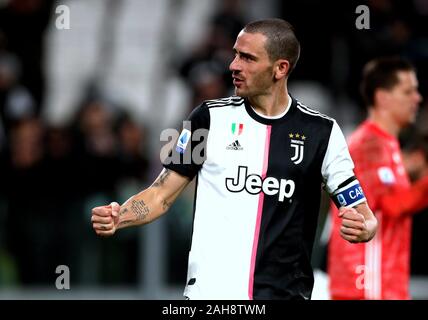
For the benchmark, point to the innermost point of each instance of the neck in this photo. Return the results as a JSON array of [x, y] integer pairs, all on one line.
[[273, 103], [385, 121]]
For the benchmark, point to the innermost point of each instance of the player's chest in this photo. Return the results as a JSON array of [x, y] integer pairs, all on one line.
[[287, 150]]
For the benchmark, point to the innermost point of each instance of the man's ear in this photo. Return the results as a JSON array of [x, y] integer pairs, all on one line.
[[281, 69], [381, 96]]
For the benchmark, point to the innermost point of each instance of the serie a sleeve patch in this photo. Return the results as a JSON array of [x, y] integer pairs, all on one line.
[[183, 140]]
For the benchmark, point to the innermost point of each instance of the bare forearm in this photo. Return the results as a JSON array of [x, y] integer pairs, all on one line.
[[153, 202], [141, 208]]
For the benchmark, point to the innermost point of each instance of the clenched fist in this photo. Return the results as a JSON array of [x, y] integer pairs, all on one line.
[[105, 219], [354, 228]]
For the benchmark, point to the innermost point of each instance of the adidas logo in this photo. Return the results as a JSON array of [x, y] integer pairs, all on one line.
[[234, 146]]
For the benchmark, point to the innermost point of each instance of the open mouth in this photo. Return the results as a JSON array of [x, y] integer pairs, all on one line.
[[237, 82]]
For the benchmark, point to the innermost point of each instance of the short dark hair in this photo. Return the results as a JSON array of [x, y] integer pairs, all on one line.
[[381, 73], [281, 40]]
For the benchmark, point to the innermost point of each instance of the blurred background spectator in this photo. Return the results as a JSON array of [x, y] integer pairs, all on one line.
[[78, 103]]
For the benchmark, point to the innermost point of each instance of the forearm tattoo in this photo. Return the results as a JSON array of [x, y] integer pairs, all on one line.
[[122, 212], [166, 204], [140, 209], [124, 223], [161, 180]]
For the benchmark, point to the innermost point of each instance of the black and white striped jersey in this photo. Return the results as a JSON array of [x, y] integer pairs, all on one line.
[[257, 196]]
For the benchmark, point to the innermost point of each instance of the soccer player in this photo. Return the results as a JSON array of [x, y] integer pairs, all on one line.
[[379, 269], [260, 159]]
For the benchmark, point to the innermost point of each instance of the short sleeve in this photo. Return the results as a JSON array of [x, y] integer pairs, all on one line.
[[189, 152], [337, 166]]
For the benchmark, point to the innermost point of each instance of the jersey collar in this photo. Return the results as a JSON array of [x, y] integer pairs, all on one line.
[[271, 120]]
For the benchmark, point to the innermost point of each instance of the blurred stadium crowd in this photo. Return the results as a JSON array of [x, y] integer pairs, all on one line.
[[52, 174]]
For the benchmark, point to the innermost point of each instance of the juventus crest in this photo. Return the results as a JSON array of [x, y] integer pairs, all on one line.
[[297, 143]]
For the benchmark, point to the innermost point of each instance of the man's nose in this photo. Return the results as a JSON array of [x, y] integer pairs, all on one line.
[[418, 97], [234, 65]]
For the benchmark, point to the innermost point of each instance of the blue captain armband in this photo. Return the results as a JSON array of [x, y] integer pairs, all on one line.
[[349, 195]]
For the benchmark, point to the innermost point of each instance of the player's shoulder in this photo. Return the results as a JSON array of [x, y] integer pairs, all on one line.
[[365, 136], [231, 101], [364, 141], [203, 110], [313, 116]]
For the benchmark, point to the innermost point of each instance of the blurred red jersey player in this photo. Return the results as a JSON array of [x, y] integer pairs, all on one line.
[[380, 269]]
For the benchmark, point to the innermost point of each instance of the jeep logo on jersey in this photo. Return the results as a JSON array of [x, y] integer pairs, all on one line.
[[254, 184], [297, 142]]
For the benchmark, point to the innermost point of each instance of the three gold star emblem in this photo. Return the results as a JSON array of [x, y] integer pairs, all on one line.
[[297, 135]]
